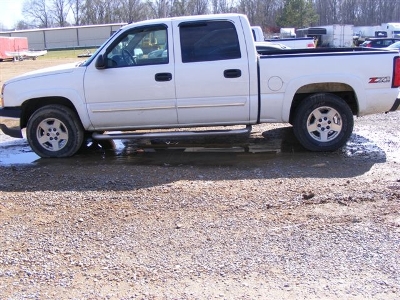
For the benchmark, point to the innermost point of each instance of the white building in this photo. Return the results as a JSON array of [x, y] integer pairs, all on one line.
[[66, 37]]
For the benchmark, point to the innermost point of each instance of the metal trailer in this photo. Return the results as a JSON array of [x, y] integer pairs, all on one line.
[[337, 36], [11, 46]]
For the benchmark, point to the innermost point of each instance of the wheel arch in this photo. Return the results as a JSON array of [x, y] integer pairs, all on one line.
[[342, 90], [31, 105]]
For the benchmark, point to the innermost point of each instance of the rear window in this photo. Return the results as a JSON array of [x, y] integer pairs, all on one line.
[[209, 41]]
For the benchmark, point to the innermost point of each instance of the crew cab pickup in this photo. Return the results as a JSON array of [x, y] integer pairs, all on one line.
[[198, 71]]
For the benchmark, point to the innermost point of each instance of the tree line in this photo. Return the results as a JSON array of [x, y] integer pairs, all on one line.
[[269, 14]]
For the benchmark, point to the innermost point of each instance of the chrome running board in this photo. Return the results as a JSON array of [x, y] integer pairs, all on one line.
[[171, 134]]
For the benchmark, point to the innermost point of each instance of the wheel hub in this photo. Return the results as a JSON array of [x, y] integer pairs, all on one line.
[[52, 134], [324, 124]]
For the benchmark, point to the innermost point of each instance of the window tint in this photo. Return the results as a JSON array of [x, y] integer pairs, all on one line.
[[387, 43], [141, 46], [208, 41]]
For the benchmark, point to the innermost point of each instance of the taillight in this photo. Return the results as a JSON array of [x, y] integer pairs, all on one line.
[[396, 72], [311, 45]]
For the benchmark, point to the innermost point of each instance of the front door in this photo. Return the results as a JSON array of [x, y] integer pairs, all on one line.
[[136, 86]]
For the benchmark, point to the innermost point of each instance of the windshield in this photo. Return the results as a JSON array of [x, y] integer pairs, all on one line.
[[88, 61], [395, 45]]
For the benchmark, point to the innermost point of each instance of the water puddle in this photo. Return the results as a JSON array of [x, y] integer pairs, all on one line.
[[273, 144]]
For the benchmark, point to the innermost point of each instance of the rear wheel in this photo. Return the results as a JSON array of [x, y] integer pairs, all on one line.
[[323, 122], [54, 131]]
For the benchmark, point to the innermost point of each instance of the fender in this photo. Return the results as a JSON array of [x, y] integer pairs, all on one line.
[[62, 84], [72, 95], [296, 84]]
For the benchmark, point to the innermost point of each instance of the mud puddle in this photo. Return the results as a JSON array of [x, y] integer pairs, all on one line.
[[276, 145]]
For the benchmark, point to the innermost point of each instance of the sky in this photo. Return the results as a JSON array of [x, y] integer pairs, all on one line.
[[10, 12]]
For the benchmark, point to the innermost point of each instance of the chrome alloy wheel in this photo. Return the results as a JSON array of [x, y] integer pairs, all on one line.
[[52, 134], [324, 124]]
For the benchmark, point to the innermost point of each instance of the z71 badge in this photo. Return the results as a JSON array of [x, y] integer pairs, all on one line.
[[379, 79]]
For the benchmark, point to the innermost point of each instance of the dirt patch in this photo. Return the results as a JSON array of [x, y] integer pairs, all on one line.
[[10, 69]]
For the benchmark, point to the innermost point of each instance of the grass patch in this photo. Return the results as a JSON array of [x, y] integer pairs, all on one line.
[[61, 54]]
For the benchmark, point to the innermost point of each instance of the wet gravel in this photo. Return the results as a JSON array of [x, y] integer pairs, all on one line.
[[275, 222]]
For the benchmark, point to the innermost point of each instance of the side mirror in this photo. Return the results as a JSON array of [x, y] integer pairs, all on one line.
[[100, 62]]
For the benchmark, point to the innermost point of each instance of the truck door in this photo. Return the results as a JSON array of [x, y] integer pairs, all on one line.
[[133, 85], [212, 73]]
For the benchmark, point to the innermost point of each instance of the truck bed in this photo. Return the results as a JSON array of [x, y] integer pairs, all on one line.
[[326, 50]]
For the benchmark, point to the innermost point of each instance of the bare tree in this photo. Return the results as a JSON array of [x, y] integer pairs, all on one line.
[[159, 8], [266, 13], [249, 8], [21, 25], [38, 12], [96, 12], [223, 6], [349, 12], [76, 7], [59, 10], [198, 7], [179, 8], [386, 11], [131, 11], [261, 12]]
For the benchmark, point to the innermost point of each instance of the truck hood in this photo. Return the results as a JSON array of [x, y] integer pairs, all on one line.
[[65, 68]]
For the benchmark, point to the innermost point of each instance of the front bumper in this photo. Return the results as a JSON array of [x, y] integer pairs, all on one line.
[[12, 114]]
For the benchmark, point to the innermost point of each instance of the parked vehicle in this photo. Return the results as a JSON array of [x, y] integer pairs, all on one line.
[[385, 30], [297, 43], [317, 33], [378, 42], [269, 46], [258, 34], [392, 29], [394, 46], [211, 75], [363, 33]]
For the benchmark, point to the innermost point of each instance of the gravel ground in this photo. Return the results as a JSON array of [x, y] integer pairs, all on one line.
[[277, 224]]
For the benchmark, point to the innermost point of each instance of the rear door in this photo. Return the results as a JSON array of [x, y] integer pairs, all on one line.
[[212, 73]]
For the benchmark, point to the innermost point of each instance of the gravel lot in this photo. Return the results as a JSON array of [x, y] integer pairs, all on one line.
[[272, 223]]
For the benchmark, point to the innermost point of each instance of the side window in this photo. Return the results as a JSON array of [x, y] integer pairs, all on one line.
[[140, 46], [388, 42], [208, 41]]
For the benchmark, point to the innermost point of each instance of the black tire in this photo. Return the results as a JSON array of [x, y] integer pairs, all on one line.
[[54, 131], [323, 122]]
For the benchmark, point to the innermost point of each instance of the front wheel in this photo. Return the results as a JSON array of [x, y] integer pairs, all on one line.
[[323, 122], [54, 131]]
